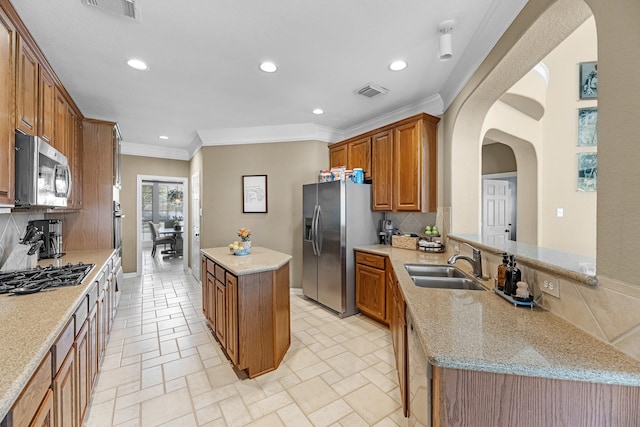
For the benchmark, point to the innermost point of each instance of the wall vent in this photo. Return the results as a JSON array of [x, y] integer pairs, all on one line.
[[370, 90], [127, 8]]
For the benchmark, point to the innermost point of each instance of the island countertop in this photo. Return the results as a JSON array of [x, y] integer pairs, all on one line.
[[32, 323], [480, 331], [260, 259]]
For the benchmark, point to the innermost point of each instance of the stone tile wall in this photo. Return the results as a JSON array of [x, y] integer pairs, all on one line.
[[609, 311], [12, 228]]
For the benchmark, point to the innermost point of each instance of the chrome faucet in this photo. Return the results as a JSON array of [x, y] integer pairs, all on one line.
[[476, 261]]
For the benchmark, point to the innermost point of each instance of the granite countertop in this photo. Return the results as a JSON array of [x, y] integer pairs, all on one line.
[[260, 259], [32, 323], [480, 331]]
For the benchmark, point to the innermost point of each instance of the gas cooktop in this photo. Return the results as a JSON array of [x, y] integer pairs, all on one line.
[[39, 278]]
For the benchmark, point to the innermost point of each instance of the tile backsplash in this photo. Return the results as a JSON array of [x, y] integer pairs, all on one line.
[[608, 311], [12, 228], [415, 222]]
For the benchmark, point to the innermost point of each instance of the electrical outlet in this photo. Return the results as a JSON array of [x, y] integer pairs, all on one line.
[[551, 287]]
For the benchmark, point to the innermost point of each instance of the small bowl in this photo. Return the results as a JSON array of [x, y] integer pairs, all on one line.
[[242, 252]]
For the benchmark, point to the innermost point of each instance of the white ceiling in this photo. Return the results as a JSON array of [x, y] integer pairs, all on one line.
[[204, 86]]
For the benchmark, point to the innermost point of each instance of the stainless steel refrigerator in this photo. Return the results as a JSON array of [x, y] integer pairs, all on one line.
[[336, 217]]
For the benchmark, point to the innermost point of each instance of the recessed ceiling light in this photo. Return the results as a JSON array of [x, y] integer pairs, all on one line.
[[268, 67], [137, 64], [164, 137], [318, 111], [397, 65]]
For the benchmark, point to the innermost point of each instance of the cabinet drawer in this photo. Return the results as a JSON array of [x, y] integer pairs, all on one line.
[[33, 394], [81, 314], [62, 346], [92, 294], [371, 260], [220, 274], [211, 266]]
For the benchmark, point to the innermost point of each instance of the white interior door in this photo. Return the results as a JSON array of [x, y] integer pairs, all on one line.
[[195, 228], [496, 211]]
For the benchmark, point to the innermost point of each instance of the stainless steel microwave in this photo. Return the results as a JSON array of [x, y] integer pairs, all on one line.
[[42, 175]]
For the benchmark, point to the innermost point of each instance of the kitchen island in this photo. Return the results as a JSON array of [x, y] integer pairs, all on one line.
[[488, 354], [33, 327], [246, 302]]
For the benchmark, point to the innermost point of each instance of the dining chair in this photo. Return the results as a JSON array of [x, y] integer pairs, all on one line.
[[160, 240]]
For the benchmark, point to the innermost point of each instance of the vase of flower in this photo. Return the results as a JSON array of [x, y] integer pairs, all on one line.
[[245, 236]]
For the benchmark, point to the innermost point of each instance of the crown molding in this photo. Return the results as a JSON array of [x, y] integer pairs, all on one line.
[[268, 134], [496, 21], [431, 105], [147, 150]]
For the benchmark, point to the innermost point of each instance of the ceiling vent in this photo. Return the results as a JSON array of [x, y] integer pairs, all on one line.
[[370, 90], [126, 8]]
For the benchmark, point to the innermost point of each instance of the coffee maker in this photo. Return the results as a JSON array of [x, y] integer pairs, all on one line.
[[51, 230], [386, 231]]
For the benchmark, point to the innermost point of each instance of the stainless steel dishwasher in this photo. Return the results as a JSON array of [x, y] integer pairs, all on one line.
[[419, 380]]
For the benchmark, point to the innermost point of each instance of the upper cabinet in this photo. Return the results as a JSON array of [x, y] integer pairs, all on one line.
[[46, 102], [352, 153], [338, 155], [7, 98], [26, 89], [400, 159], [34, 102]]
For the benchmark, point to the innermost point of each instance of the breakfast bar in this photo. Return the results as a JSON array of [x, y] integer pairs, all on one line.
[[245, 300]]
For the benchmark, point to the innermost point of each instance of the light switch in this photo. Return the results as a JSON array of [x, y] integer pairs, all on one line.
[[559, 212]]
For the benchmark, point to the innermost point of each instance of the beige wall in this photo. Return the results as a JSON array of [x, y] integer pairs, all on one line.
[[610, 310], [132, 166], [288, 165], [497, 158], [576, 230]]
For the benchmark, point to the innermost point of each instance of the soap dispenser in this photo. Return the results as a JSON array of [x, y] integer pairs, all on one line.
[[511, 277], [502, 269]]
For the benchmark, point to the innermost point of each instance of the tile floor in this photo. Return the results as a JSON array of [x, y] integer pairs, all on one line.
[[163, 367]]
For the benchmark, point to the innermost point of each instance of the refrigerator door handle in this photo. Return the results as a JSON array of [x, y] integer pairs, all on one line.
[[314, 231], [319, 231]]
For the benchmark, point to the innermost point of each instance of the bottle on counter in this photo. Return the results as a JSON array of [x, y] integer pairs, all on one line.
[[502, 269], [512, 276]]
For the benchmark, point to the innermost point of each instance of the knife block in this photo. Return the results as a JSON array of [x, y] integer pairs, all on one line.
[[19, 260]]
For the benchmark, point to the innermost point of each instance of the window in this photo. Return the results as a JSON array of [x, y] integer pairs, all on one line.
[[161, 201]]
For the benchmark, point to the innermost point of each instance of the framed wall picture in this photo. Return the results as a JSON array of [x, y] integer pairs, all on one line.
[[254, 193], [587, 172], [587, 127], [589, 80]]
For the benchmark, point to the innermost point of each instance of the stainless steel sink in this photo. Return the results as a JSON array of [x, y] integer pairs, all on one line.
[[433, 270], [447, 283]]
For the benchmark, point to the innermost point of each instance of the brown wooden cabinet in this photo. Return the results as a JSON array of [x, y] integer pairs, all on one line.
[[221, 312], [7, 101], [382, 165], [371, 290], [401, 160], [83, 388], [398, 328], [232, 317], [64, 393], [26, 89], [408, 168], [378, 296], [46, 102], [61, 123], [251, 316], [359, 155], [337, 156], [44, 417], [92, 321], [353, 153]]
